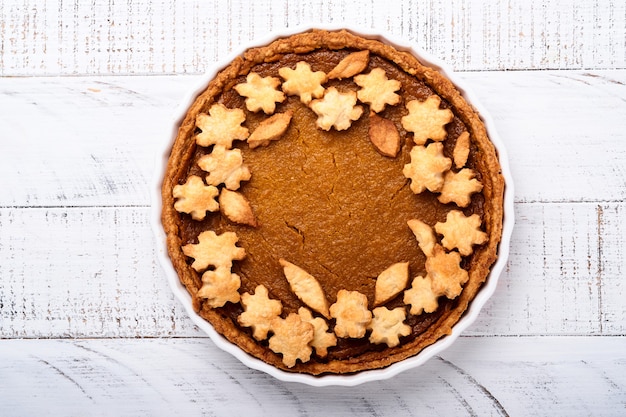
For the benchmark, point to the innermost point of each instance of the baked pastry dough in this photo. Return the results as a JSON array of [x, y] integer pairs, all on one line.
[[360, 203]]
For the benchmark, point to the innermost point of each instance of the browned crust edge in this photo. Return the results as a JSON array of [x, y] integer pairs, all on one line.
[[492, 178]]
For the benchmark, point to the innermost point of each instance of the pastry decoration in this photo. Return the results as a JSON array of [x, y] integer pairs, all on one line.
[[426, 120], [295, 336], [388, 326]]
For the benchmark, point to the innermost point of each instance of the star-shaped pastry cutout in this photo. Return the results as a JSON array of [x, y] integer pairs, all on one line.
[[303, 82], [458, 187], [225, 166], [221, 126], [426, 120], [195, 198], [461, 232], [388, 326], [220, 287], [259, 311], [261, 93], [214, 250], [322, 338], [292, 338], [427, 167], [377, 90], [420, 296], [351, 314], [446, 272], [336, 109]]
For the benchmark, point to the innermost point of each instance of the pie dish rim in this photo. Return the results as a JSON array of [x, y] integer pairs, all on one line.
[[181, 293]]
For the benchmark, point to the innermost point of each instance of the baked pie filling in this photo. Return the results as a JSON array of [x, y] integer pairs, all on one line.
[[331, 204]]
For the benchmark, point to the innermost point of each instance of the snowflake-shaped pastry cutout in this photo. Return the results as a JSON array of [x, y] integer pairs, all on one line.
[[195, 198], [351, 314], [427, 167], [292, 338], [377, 90], [388, 326], [221, 126], [426, 120], [322, 338], [259, 311], [336, 109], [458, 187], [261, 93], [303, 82], [220, 287], [461, 232], [420, 296], [446, 272], [225, 166], [214, 250]]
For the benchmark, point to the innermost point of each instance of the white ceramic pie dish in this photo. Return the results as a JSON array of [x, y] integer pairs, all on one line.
[[364, 376]]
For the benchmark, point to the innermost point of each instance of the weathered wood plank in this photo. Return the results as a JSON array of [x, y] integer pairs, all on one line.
[[565, 132], [476, 376], [564, 274], [83, 273], [166, 36], [92, 272], [92, 140]]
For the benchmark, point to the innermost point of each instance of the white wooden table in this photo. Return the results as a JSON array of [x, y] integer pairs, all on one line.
[[88, 325]]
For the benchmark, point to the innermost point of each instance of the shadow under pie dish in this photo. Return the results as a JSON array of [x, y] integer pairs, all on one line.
[[332, 206]]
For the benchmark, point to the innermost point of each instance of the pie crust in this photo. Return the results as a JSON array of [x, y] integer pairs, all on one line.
[[338, 193]]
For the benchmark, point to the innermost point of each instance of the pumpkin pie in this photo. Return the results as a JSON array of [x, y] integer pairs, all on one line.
[[331, 204]]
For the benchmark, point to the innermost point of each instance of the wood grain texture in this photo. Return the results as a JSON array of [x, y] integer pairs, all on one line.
[[93, 272], [105, 132], [161, 377], [166, 36], [88, 324]]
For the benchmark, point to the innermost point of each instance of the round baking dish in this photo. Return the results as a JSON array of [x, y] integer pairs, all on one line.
[[468, 317]]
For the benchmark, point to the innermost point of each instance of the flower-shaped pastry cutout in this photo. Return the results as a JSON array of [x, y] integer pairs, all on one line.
[[220, 287], [427, 167], [461, 232], [225, 166], [195, 198], [303, 82], [377, 90], [214, 250], [292, 338], [261, 93], [446, 272], [426, 120], [221, 126], [322, 338], [259, 311], [388, 326], [458, 187], [336, 109], [351, 314], [420, 296]]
